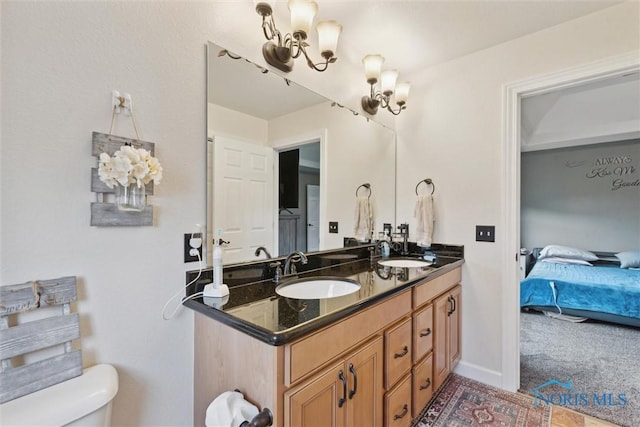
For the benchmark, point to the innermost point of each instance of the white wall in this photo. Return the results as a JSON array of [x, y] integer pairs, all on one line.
[[60, 61], [452, 133], [225, 122]]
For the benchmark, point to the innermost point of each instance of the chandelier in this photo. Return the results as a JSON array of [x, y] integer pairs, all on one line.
[[280, 51], [388, 87]]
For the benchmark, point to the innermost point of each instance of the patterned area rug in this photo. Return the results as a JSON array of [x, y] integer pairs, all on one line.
[[464, 402]]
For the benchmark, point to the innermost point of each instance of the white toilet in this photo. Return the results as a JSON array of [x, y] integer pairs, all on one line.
[[81, 401]]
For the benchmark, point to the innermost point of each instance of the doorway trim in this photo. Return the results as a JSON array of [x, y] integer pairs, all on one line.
[[512, 94]]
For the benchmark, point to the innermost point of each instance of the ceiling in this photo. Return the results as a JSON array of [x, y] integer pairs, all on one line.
[[414, 35], [411, 35], [601, 111]]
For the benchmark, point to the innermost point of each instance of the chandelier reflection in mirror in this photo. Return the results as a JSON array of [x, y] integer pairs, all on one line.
[[388, 87], [280, 51]]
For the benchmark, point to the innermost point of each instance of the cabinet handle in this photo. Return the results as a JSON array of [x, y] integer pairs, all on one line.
[[425, 332], [455, 305], [426, 384], [343, 399], [405, 350], [355, 381], [405, 409], [449, 300]]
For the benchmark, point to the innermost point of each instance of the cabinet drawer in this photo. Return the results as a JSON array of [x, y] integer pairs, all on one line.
[[397, 404], [425, 292], [422, 332], [311, 352], [397, 352], [422, 385]]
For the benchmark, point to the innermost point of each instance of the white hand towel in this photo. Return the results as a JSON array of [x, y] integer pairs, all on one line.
[[423, 213], [362, 219]]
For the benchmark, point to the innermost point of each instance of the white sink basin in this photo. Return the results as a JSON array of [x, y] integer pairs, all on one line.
[[404, 262], [318, 288]]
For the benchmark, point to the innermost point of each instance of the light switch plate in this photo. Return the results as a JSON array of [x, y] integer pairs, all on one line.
[[485, 233], [333, 227]]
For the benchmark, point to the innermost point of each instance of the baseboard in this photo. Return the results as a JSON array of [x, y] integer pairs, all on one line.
[[478, 373]]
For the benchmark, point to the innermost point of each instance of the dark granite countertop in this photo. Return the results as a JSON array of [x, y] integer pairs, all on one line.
[[254, 307]]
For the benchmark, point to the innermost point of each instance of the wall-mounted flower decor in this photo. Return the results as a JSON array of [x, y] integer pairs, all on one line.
[[129, 165]]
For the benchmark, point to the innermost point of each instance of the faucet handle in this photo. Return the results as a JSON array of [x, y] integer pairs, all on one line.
[[276, 275]]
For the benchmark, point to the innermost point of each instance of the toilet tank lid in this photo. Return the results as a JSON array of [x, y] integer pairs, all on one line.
[[64, 402]]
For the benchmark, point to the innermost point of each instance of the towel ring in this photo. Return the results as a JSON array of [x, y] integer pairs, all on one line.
[[365, 185], [427, 181]]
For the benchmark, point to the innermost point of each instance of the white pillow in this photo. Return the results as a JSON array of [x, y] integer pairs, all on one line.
[[629, 259], [558, 251], [559, 260]]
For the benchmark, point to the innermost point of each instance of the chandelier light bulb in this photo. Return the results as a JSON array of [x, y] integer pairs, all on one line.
[[388, 81], [402, 92], [302, 14], [328, 34], [372, 67]]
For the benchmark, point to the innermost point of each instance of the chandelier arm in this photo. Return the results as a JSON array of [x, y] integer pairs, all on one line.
[[268, 27], [384, 101], [310, 62], [292, 44], [394, 112], [373, 91]]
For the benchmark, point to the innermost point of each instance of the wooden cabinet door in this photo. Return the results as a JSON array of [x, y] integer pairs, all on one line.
[[365, 391], [441, 308], [454, 328], [422, 332], [320, 401], [398, 352], [421, 385], [398, 404]]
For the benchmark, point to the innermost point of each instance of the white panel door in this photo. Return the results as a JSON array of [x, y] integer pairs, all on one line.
[[313, 218], [243, 197]]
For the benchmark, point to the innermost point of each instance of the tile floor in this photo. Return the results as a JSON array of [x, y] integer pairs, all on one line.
[[563, 417]]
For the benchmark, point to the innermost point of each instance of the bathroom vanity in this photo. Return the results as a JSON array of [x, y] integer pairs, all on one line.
[[370, 358]]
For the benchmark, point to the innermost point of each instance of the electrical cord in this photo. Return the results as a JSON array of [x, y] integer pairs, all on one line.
[[194, 251]]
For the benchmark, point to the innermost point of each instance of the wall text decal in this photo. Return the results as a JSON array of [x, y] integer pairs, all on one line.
[[617, 168]]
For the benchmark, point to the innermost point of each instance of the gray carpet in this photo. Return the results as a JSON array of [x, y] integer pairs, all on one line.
[[598, 358]]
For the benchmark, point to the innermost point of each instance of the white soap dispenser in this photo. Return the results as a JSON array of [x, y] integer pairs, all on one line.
[[217, 289]]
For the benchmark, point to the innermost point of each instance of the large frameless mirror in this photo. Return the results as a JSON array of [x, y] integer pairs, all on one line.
[[284, 162]]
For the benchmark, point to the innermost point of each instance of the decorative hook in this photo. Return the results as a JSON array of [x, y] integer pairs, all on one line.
[[121, 103]]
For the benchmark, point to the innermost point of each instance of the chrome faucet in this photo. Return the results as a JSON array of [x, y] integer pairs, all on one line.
[[262, 249], [289, 263]]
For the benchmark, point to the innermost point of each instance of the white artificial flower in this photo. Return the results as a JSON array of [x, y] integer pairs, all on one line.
[[129, 165]]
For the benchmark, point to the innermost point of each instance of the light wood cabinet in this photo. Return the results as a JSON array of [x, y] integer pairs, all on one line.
[[378, 367], [348, 393], [422, 385], [398, 404], [446, 323], [422, 332], [397, 352]]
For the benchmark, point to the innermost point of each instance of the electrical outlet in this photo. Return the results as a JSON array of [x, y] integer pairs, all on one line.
[[485, 233], [187, 246], [333, 227]]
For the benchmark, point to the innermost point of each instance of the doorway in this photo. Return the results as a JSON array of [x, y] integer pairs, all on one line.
[[512, 96], [298, 211]]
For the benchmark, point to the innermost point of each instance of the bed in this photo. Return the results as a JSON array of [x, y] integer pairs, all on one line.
[[596, 289]]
